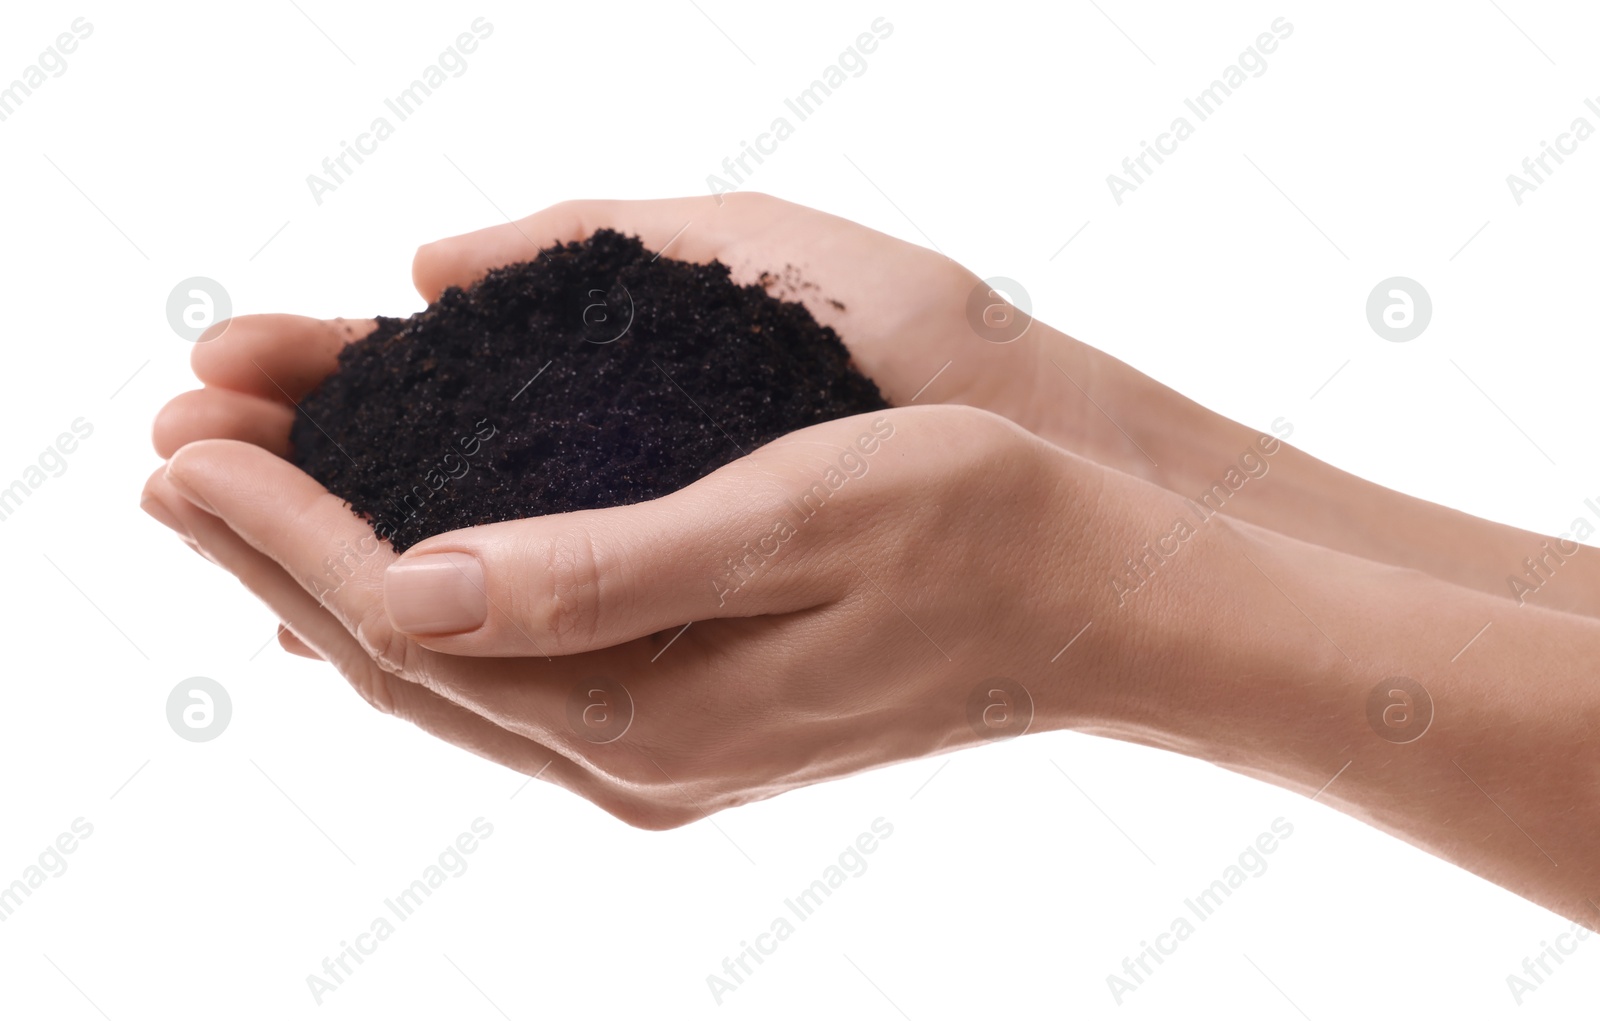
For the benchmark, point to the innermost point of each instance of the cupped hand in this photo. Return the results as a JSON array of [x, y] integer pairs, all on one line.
[[921, 326], [861, 592]]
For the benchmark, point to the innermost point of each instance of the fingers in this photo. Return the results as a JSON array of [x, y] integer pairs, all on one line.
[[580, 582], [312, 534], [698, 228], [326, 638], [279, 357], [504, 696], [313, 626], [559, 585], [293, 645], [215, 413], [321, 546]]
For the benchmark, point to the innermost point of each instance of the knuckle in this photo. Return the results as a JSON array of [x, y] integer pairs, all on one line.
[[390, 650], [975, 437], [565, 598], [377, 688], [319, 519], [573, 212], [750, 201]]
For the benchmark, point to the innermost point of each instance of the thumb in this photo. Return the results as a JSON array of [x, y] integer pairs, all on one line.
[[726, 546]]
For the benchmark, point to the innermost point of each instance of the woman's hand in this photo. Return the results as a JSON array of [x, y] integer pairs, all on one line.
[[925, 330], [968, 555], [865, 591], [922, 327]]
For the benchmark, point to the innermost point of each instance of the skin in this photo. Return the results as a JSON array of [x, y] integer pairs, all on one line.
[[983, 534], [1073, 395]]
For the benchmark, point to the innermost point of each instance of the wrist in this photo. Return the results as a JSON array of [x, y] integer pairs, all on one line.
[[1449, 718], [1154, 607], [1218, 646], [1252, 667]]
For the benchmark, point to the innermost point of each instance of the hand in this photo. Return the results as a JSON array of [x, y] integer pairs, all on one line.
[[888, 566], [902, 310], [1254, 650], [255, 367]]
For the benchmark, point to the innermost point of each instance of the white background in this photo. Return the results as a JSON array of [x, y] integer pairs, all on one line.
[[177, 143]]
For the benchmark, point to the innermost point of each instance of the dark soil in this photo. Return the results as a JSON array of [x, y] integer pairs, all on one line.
[[596, 375]]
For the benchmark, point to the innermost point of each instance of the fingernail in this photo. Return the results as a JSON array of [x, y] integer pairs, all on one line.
[[189, 494], [436, 594], [162, 513]]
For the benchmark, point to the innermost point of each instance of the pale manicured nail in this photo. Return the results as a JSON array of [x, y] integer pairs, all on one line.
[[436, 594]]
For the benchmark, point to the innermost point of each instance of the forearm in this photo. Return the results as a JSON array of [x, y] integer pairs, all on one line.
[[1107, 411], [1278, 658]]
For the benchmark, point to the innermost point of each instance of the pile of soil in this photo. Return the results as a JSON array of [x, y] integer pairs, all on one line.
[[595, 375]]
